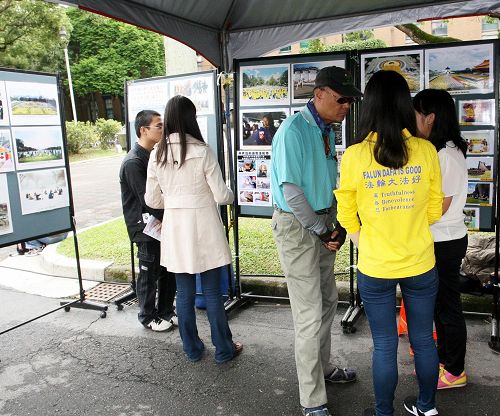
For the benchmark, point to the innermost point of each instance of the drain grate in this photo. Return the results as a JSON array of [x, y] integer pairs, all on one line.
[[105, 292]]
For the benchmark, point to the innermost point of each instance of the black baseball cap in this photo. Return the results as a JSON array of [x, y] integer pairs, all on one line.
[[338, 80]]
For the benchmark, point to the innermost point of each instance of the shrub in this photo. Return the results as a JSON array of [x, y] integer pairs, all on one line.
[[107, 131], [80, 135]]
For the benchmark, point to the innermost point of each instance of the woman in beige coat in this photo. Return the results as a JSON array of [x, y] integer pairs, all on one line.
[[185, 180]]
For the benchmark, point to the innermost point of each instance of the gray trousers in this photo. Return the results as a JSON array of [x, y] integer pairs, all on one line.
[[308, 268]]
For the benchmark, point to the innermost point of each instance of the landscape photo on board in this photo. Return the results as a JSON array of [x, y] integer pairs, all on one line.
[[38, 147], [33, 103], [460, 69]]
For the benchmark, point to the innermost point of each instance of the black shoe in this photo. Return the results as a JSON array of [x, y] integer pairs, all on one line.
[[410, 404], [369, 412]]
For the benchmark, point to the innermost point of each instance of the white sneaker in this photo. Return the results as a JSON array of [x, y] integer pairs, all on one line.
[[174, 320], [160, 325]]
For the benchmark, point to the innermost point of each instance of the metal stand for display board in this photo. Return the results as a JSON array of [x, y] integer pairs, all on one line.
[[131, 294], [355, 309], [82, 303]]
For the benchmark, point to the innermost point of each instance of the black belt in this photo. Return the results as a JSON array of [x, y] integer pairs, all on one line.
[[323, 211]]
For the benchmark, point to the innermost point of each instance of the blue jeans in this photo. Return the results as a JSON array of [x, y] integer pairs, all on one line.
[[379, 300], [219, 327]]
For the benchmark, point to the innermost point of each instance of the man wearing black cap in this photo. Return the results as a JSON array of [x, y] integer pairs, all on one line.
[[303, 176]]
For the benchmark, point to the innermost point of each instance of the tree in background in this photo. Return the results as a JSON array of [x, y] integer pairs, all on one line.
[[351, 41], [29, 35], [104, 53]]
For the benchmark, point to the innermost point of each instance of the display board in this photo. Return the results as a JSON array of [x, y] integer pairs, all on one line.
[[153, 94], [268, 90], [35, 189], [274, 88], [467, 70]]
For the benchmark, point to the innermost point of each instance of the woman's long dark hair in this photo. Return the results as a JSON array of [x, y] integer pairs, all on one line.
[[445, 127], [180, 117], [387, 110]]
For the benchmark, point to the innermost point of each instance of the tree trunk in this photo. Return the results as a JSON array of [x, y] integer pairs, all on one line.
[[420, 37]]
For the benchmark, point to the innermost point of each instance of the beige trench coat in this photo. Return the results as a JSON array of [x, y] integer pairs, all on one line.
[[193, 238]]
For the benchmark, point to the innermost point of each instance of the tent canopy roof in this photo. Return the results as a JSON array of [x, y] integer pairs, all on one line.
[[222, 30]]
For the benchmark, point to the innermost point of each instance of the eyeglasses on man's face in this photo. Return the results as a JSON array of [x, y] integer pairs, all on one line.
[[158, 126], [340, 99]]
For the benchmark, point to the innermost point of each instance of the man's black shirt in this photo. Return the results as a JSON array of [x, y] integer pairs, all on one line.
[[133, 174]]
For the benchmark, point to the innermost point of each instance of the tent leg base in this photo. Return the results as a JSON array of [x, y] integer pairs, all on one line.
[[86, 304]]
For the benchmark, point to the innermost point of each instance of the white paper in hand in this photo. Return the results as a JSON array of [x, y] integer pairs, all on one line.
[[153, 228]]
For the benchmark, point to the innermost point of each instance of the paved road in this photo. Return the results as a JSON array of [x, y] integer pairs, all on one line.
[[76, 364], [96, 193]]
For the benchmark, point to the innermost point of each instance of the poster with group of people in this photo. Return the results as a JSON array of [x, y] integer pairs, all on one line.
[[31, 148]]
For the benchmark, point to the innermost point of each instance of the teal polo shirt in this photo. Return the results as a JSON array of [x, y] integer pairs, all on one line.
[[298, 157]]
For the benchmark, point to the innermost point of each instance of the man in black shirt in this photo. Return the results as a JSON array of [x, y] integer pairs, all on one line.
[[158, 316]]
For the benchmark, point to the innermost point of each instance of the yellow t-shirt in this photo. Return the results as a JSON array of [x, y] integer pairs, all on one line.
[[395, 207]]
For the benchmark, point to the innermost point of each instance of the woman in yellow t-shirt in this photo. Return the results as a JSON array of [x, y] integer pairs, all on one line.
[[389, 194]]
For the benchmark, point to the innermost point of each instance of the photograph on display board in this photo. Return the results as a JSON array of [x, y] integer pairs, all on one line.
[[38, 147], [262, 198], [43, 190], [460, 69], [5, 213], [303, 76], [247, 182], [4, 112], [471, 218], [147, 96], [264, 85], [479, 193], [480, 168], [6, 153], [479, 142], [245, 198], [408, 64], [340, 140], [33, 103], [258, 127], [476, 112], [198, 89]]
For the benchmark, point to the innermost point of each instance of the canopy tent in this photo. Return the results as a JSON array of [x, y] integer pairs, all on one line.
[[223, 30]]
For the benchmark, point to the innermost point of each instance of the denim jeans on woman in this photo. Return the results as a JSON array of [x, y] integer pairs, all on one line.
[[379, 300], [219, 327]]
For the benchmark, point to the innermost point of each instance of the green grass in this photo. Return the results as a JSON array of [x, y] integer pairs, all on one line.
[[258, 253], [86, 154], [39, 158], [106, 242]]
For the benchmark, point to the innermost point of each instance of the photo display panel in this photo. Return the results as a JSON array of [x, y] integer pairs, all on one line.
[[153, 94], [467, 71], [267, 91], [34, 182]]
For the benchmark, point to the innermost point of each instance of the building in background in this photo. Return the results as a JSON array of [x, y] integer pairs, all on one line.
[[464, 28]]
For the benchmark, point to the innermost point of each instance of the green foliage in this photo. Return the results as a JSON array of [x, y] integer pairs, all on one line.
[[105, 53], [29, 35], [317, 46], [360, 36], [107, 131], [80, 135]]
